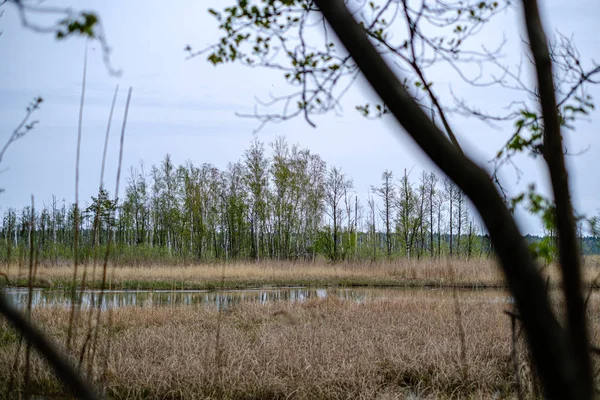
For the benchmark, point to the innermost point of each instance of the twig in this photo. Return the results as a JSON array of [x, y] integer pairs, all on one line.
[[69, 15], [459, 323], [23, 127], [513, 324], [72, 330], [594, 284], [15, 369], [218, 350], [30, 298], [62, 368], [92, 352], [82, 353], [108, 243]]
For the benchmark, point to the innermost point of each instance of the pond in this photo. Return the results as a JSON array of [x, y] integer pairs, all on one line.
[[228, 298]]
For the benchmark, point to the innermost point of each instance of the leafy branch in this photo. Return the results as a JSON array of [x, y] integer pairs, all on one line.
[[69, 23]]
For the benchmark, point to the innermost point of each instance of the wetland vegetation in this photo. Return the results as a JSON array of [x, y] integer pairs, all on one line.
[[406, 344], [328, 342]]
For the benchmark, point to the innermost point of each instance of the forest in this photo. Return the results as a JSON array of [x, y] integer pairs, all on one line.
[[279, 202]]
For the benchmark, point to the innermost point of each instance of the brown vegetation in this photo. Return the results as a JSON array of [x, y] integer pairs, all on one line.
[[405, 344], [477, 272]]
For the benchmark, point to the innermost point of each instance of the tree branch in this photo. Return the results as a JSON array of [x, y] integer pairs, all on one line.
[[546, 338], [565, 219], [23, 127], [63, 369]]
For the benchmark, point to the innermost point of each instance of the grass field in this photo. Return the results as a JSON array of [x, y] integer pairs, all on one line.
[[411, 344], [463, 273], [408, 345], [319, 349]]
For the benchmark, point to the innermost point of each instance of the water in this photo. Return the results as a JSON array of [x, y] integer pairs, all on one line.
[[227, 298], [153, 298]]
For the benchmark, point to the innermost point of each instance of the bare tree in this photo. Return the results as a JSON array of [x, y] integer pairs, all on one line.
[[431, 183], [336, 185], [410, 214], [450, 192], [372, 226], [388, 195]]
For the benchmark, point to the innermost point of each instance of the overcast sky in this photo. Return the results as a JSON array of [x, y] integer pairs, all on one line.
[[186, 107]]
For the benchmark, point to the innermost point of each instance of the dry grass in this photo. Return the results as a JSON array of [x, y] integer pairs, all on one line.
[[242, 275], [476, 269], [405, 345], [402, 346], [468, 273]]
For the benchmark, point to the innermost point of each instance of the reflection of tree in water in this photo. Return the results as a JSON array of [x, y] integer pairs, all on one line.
[[228, 299]]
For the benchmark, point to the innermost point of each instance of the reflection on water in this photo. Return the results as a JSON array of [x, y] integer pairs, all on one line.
[[144, 298], [228, 298]]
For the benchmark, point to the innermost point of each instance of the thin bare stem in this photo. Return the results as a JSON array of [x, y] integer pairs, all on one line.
[[95, 232], [218, 349], [109, 241], [459, 323], [30, 298], [73, 317], [62, 368], [513, 327]]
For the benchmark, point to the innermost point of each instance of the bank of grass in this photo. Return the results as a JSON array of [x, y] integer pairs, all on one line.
[[474, 273], [405, 346], [480, 272], [390, 348]]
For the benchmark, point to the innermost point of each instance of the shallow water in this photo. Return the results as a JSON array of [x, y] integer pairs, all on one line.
[[228, 298]]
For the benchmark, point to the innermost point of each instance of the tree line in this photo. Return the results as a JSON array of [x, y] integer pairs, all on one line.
[[286, 204]]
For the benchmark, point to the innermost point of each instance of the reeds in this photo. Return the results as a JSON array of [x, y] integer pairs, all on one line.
[[474, 273], [73, 315], [398, 347], [62, 367]]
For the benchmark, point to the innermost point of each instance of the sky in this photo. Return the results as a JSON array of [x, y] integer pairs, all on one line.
[[187, 107]]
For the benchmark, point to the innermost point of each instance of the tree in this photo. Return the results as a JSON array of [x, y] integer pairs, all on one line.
[[9, 224], [450, 192], [424, 225], [284, 194], [561, 356], [136, 194], [256, 179], [315, 195], [472, 231], [236, 209], [351, 207], [410, 214], [102, 210], [388, 196], [336, 185], [431, 191], [460, 218], [594, 225], [372, 227]]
